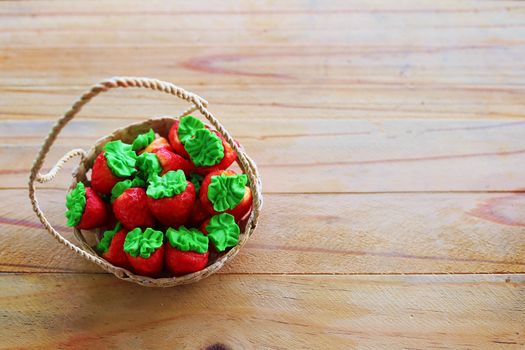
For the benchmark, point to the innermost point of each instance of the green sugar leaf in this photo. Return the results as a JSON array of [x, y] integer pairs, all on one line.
[[186, 240], [168, 185], [205, 148], [75, 204], [226, 191], [148, 165], [105, 242], [138, 182], [119, 188], [121, 158], [143, 244], [223, 231], [196, 180], [143, 140], [188, 126]]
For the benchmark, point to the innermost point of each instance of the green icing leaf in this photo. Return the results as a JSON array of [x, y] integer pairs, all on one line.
[[105, 242], [121, 159], [223, 231], [138, 182], [188, 125], [168, 185], [121, 186], [187, 239], [143, 140], [149, 165], [226, 191], [143, 243], [75, 204], [205, 148], [196, 180]]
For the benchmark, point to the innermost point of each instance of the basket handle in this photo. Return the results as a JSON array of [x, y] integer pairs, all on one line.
[[198, 103]]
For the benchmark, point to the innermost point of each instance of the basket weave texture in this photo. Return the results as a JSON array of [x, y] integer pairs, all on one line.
[[127, 134]]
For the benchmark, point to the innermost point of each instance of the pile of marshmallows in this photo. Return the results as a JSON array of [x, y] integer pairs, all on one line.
[[168, 206]]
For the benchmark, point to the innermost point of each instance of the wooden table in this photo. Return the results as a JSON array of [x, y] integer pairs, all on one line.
[[391, 141]]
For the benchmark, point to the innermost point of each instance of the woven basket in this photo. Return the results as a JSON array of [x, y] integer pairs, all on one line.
[[127, 134]]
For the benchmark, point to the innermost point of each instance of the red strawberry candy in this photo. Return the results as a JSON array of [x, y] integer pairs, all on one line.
[[171, 198], [145, 251], [172, 161], [158, 144], [130, 204], [85, 209], [116, 163], [222, 230], [143, 140], [226, 161], [111, 246], [148, 143], [206, 149], [225, 191], [198, 214], [186, 250], [186, 131]]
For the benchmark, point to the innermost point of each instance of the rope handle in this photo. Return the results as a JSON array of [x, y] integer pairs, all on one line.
[[198, 103]]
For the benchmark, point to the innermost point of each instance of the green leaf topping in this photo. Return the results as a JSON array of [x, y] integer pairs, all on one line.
[[143, 140], [121, 186], [143, 244], [105, 242], [75, 204], [168, 185], [223, 231], [121, 158], [185, 239], [138, 182], [226, 191], [188, 125], [149, 165], [205, 148], [196, 180]]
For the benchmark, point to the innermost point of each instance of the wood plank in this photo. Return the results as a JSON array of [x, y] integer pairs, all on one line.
[[274, 312], [299, 234], [269, 102], [330, 155], [341, 21], [346, 59]]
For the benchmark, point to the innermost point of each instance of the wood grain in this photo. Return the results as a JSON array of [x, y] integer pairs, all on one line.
[[333, 233], [330, 155], [390, 140], [274, 312]]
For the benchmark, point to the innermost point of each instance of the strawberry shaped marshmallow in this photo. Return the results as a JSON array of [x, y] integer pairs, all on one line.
[[143, 140], [198, 214], [172, 161], [148, 143], [208, 150], [116, 163], [186, 250], [130, 204], [224, 191], [111, 246], [85, 209], [145, 251], [171, 198], [157, 144], [148, 165], [222, 230]]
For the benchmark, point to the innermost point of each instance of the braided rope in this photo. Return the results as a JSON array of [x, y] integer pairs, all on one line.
[[53, 172], [198, 103]]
